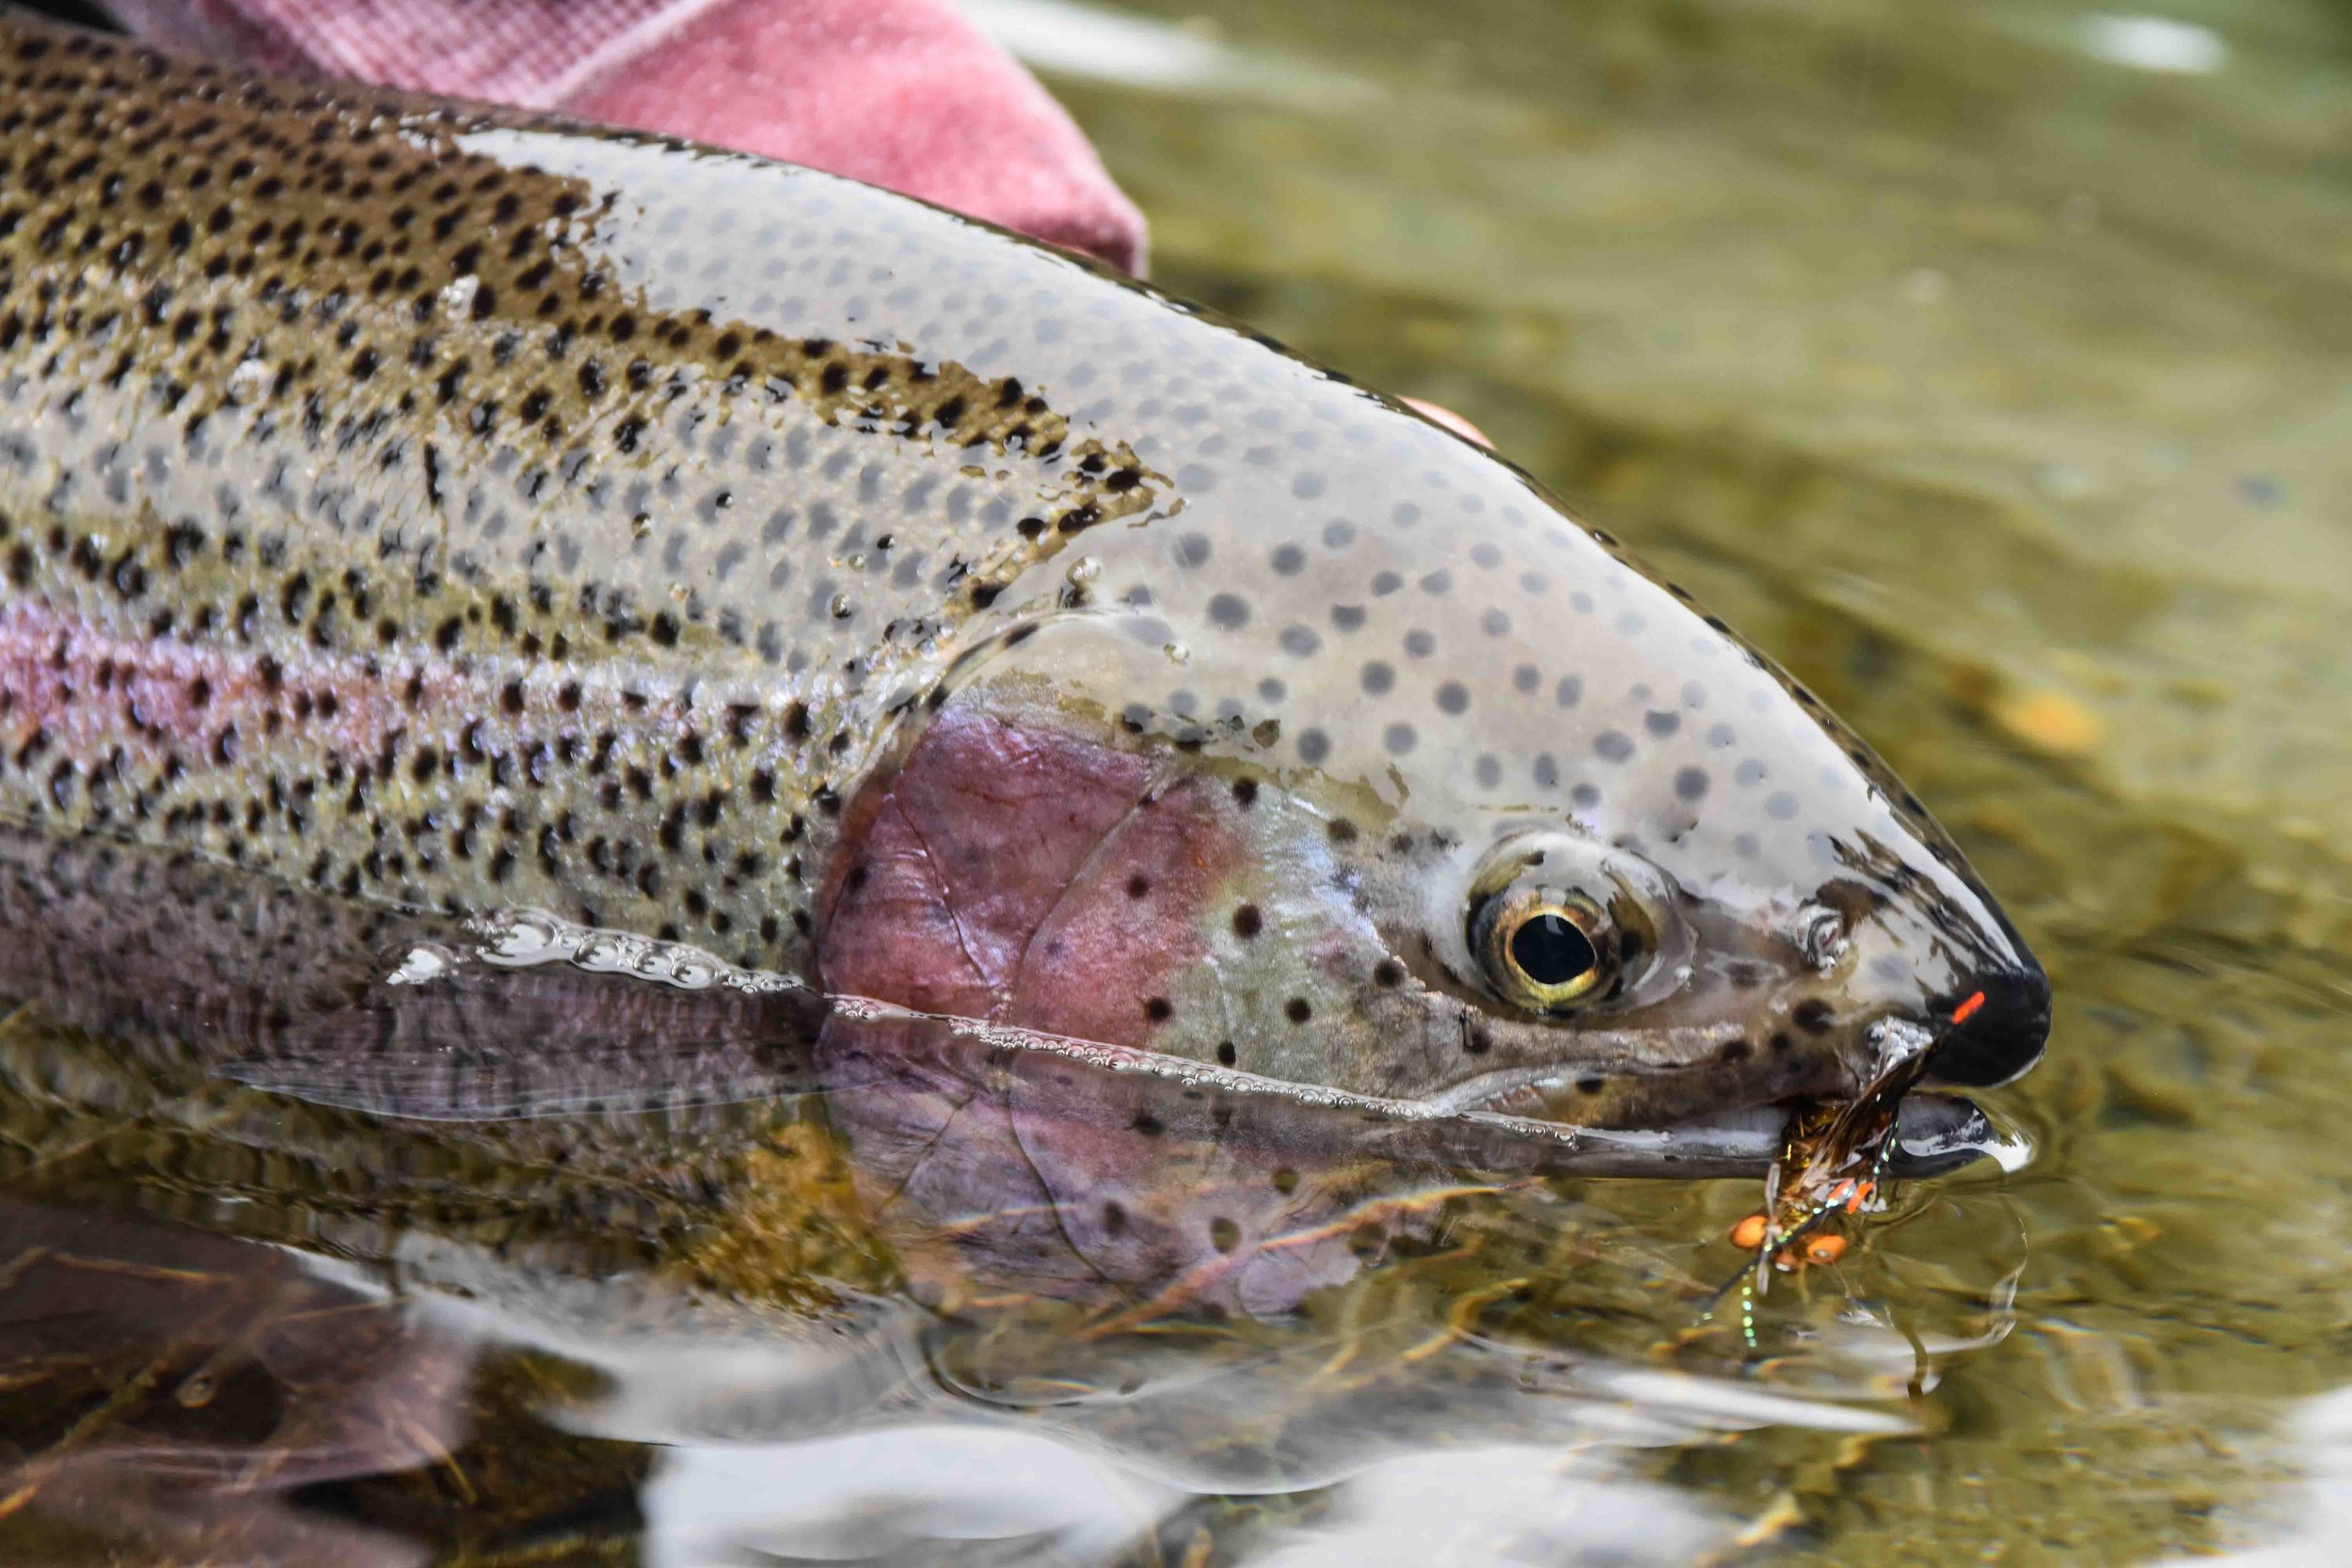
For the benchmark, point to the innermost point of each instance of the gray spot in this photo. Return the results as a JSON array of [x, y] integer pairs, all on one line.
[[1437, 582], [1582, 603], [1192, 550], [1228, 611], [1347, 617], [1691, 782], [1721, 736], [1488, 770], [1385, 583], [1313, 746], [1526, 677], [1272, 690], [1660, 723], [1745, 845], [1421, 644], [1454, 697], [1398, 738], [1780, 806], [1535, 582], [1569, 692], [1613, 745], [1586, 796], [1289, 561], [1300, 640], [1380, 678], [1546, 770], [1338, 533], [1495, 623], [1694, 694], [1307, 486], [1749, 772], [1406, 514], [1486, 555], [1629, 625], [1197, 478]]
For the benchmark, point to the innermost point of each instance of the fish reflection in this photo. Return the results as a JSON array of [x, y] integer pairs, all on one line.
[[170, 1391]]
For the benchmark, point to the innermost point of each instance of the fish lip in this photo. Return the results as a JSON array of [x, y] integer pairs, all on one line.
[[1487, 1091], [1483, 1092], [1993, 1030], [1935, 1134]]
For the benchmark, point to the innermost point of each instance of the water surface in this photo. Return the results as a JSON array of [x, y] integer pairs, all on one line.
[[1989, 365]]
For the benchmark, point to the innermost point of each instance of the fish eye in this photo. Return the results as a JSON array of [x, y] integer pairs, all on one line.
[[1544, 949], [1556, 923]]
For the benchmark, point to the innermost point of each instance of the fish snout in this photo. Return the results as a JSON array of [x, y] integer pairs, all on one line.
[[1994, 1027]]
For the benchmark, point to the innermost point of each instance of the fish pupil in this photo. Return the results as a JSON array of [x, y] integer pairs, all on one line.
[[1551, 951]]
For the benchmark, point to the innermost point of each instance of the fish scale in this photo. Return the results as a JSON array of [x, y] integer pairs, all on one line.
[[416, 550]]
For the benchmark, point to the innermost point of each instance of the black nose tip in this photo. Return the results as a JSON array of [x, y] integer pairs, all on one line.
[[1992, 1041]]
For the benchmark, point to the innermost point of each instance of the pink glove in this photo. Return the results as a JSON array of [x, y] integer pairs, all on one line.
[[902, 93]]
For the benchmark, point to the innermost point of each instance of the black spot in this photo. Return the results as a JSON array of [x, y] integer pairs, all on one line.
[[1226, 1054], [1139, 885], [1159, 1009], [1244, 793], [1247, 922], [1298, 1009], [1388, 972], [1814, 1016]]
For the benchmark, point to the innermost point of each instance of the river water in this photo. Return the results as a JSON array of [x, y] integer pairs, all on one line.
[[1991, 365]]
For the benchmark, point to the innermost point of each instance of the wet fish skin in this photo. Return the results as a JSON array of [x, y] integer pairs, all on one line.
[[456, 509]]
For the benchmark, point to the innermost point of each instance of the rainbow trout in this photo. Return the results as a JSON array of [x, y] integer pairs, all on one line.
[[444, 509]]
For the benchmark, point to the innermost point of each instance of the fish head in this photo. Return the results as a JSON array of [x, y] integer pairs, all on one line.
[[1411, 785]]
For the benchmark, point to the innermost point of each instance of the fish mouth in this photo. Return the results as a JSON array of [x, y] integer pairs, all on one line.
[[1987, 1036], [1934, 1135], [1993, 1032]]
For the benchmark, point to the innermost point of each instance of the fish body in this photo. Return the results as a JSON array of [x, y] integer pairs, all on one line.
[[450, 509]]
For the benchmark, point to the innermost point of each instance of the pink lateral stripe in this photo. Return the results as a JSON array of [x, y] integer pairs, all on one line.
[[84, 691], [900, 94]]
